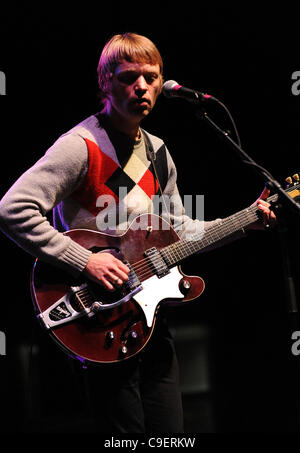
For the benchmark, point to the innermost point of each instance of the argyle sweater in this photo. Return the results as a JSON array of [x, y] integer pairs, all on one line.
[[95, 178]]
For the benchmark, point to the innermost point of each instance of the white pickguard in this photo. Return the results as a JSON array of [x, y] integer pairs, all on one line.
[[156, 289]]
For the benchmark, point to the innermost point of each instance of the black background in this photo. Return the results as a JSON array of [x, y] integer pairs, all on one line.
[[243, 56]]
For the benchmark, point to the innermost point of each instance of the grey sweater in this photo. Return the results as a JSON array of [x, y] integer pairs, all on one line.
[[76, 176]]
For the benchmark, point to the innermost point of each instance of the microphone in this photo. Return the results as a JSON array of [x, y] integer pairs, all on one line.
[[172, 89]]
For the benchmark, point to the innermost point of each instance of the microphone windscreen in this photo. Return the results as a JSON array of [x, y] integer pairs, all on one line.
[[168, 87]]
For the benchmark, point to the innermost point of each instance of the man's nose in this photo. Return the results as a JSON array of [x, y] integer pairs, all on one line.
[[140, 85]]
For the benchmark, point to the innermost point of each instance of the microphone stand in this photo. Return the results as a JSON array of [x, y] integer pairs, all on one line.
[[272, 183], [289, 203]]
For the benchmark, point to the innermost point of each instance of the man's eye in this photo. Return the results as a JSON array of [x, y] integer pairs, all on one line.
[[150, 78], [127, 78], [130, 78]]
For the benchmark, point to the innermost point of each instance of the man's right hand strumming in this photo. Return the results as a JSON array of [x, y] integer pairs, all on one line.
[[107, 270]]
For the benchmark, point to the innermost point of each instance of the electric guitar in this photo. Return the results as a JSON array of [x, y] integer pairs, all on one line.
[[99, 326]]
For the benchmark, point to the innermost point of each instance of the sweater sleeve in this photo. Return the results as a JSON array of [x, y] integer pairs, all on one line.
[[24, 207]]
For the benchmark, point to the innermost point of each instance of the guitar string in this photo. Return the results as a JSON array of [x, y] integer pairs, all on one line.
[[156, 264], [144, 268], [182, 245], [147, 267], [209, 238], [209, 235]]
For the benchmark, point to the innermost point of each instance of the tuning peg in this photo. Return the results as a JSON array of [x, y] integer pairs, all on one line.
[[289, 181], [296, 177]]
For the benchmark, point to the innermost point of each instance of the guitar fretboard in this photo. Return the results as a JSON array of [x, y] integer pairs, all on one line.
[[184, 248]]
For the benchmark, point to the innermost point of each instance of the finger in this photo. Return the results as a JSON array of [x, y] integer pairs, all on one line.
[[272, 219], [264, 207], [269, 218], [265, 193], [122, 266], [105, 282], [266, 216], [263, 203], [117, 272], [263, 213], [122, 275], [117, 282], [115, 279]]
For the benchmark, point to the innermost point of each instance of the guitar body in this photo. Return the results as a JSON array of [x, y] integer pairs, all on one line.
[[99, 326]]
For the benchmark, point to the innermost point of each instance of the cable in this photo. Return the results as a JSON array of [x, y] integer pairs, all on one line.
[[231, 119]]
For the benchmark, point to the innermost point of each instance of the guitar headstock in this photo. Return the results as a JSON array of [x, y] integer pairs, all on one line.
[[292, 181], [293, 186]]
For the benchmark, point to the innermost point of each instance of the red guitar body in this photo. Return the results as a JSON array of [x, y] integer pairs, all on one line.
[[99, 326]]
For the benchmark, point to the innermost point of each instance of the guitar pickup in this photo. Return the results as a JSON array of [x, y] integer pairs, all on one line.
[[158, 264]]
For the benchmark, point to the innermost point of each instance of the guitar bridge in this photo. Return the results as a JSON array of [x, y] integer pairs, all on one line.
[[158, 264], [72, 305], [82, 301]]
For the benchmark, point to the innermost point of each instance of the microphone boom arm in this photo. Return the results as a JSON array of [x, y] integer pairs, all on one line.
[[246, 159]]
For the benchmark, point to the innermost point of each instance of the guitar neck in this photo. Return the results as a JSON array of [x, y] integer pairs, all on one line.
[[184, 248]]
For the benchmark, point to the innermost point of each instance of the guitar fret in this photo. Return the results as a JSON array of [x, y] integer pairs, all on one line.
[[178, 251]]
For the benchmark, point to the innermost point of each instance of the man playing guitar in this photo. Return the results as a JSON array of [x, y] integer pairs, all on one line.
[[107, 164]]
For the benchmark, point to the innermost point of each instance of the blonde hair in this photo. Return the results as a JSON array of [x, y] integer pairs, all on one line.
[[127, 46]]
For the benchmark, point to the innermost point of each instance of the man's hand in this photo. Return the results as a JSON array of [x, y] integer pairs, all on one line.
[[268, 218], [107, 270]]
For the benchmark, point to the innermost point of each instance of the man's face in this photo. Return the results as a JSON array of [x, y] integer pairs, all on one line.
[[133, 90]]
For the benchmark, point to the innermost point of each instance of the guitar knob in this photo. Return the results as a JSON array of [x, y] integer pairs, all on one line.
[[289, 181], [185, 286], [133, 336], [110, 336], [296, 177], [123, 351]]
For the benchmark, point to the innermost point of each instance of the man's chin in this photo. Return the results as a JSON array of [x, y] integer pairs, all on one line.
[[141, 111]]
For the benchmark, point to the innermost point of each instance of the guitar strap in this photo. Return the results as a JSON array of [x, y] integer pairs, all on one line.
[[152, 158]]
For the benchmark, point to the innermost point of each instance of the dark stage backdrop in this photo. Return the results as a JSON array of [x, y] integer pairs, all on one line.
[[239, 329]]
